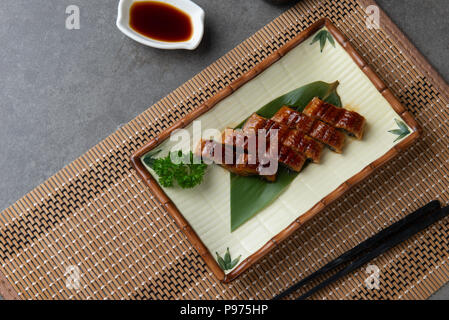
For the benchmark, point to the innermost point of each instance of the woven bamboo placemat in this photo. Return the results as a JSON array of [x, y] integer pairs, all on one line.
[[98, 216]]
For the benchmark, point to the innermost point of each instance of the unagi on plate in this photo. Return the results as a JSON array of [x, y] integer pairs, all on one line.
[[239, 163], [291, 138], [240, 139], [256, 123], [311, 127], [291, 159], [349, 121], [299, 142], [299, 137]]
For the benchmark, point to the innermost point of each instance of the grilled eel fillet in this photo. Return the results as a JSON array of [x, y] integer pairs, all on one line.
[[349, 121], [311, 127], [239, 141], [238, 163], [240, 138], [290, 138]]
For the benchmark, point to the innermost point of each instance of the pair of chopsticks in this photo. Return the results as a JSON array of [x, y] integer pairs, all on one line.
[[373, 247]]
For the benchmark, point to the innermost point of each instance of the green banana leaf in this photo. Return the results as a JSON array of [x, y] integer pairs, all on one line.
[[249, 195]]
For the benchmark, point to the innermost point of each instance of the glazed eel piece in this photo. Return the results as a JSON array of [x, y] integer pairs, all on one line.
[[349, 121], [229, 159], [311, 127], [240, 139], [290, 138]]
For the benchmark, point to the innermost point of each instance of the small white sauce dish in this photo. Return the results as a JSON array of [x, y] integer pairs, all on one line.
[[195, 12]]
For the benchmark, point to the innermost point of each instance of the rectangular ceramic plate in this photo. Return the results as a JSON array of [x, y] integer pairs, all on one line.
[[203, 213]]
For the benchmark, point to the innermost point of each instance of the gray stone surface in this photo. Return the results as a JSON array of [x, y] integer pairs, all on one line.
[[64, 91]]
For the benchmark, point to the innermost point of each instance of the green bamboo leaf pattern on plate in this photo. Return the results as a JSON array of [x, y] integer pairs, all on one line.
[[402, 132], [226, 262], [323, 36]]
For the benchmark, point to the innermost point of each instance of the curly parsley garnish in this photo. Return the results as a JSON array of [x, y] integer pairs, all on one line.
[[187, 173]]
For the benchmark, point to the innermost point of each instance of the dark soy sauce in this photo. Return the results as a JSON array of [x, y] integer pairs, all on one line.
[[160, 21]]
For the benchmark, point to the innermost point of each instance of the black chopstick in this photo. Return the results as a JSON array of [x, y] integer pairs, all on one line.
[[374, 246], [362, 247], [419, 225]]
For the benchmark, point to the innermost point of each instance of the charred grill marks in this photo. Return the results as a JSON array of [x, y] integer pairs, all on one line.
[[299, 137], [240, 163], [315, 129], [349, 121]]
